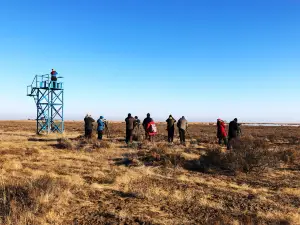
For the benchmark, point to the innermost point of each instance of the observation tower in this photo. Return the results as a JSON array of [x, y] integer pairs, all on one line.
[[49, 99]]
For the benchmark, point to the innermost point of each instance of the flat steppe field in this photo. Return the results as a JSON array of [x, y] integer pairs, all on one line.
[[65, 179]]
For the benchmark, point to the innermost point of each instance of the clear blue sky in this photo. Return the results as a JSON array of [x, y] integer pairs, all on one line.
[[202, 59]]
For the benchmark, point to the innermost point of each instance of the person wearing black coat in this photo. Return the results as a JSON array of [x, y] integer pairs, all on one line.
[[129, 128], [88, 126], [170, 128], [146, 121], [232, 133]]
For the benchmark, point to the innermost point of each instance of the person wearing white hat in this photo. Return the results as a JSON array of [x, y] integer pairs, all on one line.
[[88, 126]]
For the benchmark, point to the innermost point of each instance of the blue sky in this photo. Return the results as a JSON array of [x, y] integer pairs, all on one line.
[[202, 59]]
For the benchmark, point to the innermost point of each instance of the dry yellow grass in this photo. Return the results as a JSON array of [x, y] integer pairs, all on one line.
[[43, 184]]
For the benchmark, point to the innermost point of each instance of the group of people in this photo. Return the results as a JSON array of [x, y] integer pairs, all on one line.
[[234, 131], [151, 129], [134, 124], [149, 126], [88, 126]]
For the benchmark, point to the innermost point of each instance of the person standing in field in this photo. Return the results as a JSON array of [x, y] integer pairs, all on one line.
[[136, 128], [129, 128], [151, 130], [137, 123], [101, 127], [146, 126], [221, 132], [232, 133], [88, 125], [170, 128], [182, 125]]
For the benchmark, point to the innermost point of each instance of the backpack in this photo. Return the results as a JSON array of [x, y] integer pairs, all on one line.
[[153, 128]]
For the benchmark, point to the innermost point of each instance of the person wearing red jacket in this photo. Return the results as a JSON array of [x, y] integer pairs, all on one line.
[[151, 130], [221, 132]]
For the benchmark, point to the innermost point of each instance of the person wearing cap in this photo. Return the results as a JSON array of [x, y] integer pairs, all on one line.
[[232, 133], [88, 125], [221, 132], [101, 127], [146, 122], [170, 128], [182, 125], [129, 128]]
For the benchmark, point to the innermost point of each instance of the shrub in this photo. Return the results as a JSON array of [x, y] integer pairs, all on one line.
[[102, 144], [288, 155], [248, 155], [206, 139], [20, 199], [294, 140], [138, 137], [193, 142], [161, 155], [65, 143]]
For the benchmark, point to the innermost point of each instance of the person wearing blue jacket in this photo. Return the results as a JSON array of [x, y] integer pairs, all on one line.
[[101, 127]]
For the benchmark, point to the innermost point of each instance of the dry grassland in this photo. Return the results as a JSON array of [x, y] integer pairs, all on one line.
[[67, 180]]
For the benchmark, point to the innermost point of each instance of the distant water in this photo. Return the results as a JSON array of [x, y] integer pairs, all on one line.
[[271, 125]]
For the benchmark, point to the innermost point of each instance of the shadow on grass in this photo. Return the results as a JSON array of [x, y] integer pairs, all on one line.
[[34, 139], [125, 194]]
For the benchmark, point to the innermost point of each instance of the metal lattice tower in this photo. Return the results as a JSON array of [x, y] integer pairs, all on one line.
[[49, 99]]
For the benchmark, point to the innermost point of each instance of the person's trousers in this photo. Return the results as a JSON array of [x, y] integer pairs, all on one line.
[[129, 135], [100, 134], [182, 135], [170, 135], [89, 133], [224, 139], [231, 140]]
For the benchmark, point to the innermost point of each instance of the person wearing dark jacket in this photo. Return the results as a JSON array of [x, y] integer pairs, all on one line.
[[137, 123], [146, 121], [170, 128], [88, 125], [129, 128], [182, 125], [232, 133], [101, 127]]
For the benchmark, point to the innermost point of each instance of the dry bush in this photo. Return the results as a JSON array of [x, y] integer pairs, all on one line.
[[102, 144], [138, 137], [159, 155], [294, 140], [194, 142], [248, 155], [102, 178], [29, 202], [206, 139], [272, 138], [162, 155], [65, 143], [251, 154], [290, 156]]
